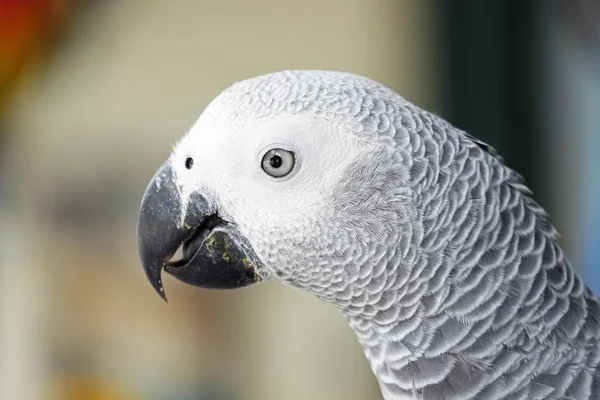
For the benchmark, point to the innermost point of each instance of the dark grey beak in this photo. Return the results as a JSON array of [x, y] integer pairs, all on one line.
[[215, 255]]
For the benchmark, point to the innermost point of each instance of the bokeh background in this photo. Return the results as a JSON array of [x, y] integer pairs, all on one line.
[[94, 93]]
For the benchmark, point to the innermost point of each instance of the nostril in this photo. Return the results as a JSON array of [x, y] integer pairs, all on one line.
[[189, 163]]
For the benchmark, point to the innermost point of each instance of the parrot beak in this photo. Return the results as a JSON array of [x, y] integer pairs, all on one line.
[[215, 254]]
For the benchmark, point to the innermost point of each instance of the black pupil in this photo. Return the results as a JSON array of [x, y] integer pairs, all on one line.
[[189, 163], [276, 161]]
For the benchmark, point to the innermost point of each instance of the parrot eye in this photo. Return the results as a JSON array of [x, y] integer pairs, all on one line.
[[278, 162], [189, 163]]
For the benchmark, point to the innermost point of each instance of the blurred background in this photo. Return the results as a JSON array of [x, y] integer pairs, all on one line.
[[94, 93]]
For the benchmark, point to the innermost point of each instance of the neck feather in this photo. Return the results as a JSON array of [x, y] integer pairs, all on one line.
[[474, 292]]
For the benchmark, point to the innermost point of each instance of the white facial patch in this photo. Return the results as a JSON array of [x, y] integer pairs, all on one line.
[[227, 167]]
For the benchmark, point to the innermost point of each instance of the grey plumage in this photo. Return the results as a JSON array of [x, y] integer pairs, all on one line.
[[435, 251]]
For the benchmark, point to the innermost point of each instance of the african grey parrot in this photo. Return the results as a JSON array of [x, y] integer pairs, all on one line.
[[434, 251]]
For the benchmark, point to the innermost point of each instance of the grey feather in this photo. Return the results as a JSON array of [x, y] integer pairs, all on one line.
[[436, 253]]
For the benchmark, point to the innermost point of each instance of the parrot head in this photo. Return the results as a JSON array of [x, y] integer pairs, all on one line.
[[436, 253], [280, 177]]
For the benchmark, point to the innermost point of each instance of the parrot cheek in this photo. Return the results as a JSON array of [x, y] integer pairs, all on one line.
[[215, 254]]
